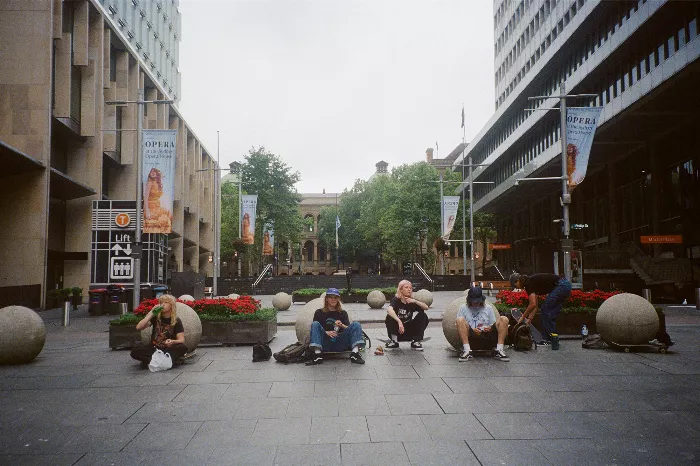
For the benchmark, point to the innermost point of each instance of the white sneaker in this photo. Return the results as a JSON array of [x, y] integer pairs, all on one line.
[[416, 345], [501, 355]]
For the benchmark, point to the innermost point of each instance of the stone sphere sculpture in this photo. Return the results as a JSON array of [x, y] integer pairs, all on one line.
[[281, 301], [22, 335], [449, 318], [304, 318], [186, 297], [424, 296], [627, 319], [376, 299], [190, 322], [233, 296]]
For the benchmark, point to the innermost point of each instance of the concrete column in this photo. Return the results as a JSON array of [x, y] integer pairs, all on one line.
[[613, 218]]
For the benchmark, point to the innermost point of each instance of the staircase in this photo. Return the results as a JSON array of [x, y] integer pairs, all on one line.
[[658, 271]]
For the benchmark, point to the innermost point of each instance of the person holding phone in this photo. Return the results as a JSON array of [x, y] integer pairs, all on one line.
[[168, 334]]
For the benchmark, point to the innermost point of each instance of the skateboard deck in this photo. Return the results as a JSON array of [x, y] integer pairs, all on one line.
[[536, 335], [660, 347], [386, 340]]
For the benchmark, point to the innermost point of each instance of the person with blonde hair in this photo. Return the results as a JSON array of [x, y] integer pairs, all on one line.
[[168, 334], [401, 324], [331, 330]]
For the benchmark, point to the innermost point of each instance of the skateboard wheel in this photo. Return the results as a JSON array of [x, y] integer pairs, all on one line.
[[662, 351], [627, 350]]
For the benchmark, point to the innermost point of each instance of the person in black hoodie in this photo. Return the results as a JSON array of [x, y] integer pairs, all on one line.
[[557, 290]]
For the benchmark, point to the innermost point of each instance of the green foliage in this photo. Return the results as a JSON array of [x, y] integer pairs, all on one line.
[[504, 310], [126, 319], [260, 315], [76, 291], [316, 292], [484, 231], [61, 294]]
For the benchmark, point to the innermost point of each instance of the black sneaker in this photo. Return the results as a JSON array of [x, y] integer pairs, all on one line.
[[501, 355], [356, 358], [391, 344], [465, 356], [317, 359], [544, 343], [417, 345]]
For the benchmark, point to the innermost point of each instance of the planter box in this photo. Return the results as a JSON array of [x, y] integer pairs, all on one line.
[[231, 333], [569, 324], [124, 336], [344, 297]]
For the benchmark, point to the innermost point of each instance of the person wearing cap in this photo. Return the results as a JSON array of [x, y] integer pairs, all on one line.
[[478, 327], [557, 290], [401, 323], [331, 330]]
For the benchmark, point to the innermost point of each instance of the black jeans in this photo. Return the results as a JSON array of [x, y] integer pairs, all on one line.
[[144, 353], [413, 329]]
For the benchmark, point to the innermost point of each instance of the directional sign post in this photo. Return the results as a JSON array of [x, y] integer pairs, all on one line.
[[121, 264]]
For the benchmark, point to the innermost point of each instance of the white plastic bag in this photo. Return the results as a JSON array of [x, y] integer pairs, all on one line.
[[160, 361]]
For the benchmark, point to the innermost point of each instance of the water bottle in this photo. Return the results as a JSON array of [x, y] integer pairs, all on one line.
[[336, 329], [584, 332]]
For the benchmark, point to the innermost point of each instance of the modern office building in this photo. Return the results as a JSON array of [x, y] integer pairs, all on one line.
[[63, 147], [640, 60]]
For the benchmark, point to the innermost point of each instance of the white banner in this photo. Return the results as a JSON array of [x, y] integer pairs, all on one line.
[[580, 130], [158, 164], [450, 206], [249, 204], [268, 240]]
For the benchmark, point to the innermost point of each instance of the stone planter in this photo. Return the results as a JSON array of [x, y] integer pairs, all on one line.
[[570, 324], [124, 336], [344, 297], [231, 333]]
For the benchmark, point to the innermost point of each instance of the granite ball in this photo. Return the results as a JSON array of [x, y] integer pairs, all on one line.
[[281, 301], [233, 296], [627, 319], [304, 318], [190, 322], [185, 297], [449, 319], [424, 296], [22, 335], [376, 299]]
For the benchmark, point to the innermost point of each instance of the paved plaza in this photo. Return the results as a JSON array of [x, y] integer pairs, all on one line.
[[80, 403]]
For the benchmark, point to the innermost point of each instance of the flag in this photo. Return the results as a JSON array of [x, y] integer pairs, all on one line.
[[158, 162], [580, 129], [437, 147], [337, 225], [462, 115], [248, 209], [450, 206]]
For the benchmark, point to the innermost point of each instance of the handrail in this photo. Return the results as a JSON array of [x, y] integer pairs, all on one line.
[[499, 272], [425, 274], [260, 277]]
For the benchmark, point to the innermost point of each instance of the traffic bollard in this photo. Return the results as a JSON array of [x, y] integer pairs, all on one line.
[[123, 308], [646, 294], [66, 313]]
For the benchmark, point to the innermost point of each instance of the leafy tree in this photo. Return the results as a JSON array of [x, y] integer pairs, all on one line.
[[229, 220], [484, 231]]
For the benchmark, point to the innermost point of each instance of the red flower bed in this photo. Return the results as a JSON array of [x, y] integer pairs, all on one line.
[[218, 306], [577, 298]]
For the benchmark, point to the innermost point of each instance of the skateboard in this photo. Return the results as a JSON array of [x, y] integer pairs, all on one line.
[[536, 335], [660, 347], [368, 345], [386, 340]]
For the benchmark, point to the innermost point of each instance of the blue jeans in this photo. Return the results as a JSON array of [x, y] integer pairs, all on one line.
[[551, 307], [347, 339]]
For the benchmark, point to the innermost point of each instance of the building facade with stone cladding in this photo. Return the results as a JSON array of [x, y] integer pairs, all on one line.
[[60, 62]]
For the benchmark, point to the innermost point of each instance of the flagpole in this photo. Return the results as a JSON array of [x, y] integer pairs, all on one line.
[[464, 228], [337, 244]]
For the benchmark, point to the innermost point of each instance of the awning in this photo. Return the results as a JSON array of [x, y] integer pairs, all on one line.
[[15, 162], [65, 188]]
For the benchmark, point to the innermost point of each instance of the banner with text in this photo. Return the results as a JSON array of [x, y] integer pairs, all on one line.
[[268, 240], [580, 130], [158, 183], [450, 206], [249, 204]]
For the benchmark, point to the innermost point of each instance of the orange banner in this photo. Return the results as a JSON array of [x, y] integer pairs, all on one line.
[[499, 246], [662, 239]]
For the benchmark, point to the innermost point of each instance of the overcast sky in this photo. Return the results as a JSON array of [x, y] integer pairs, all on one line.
[[334, 86]]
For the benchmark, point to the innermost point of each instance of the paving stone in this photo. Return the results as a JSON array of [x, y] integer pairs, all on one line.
[[261, 408], [512, 426], [322, 372], [338, 387], [278, 373], [281, 431], [454, 427], [307, 455], [312, 406], [470, 385], [462, 403], [362, 404], [164, 437], [181, 458], [413, 404], [199, 392], [60, 459], [292, 389], [396, 428], [214, 434], [347, 429], [236, 391], [396, 372], [35, 440], [101, 439], [565, 452], [371, 454], [441, 452], [406, 386], [513, 402], [243, 456], [509, 452], [121, 458]]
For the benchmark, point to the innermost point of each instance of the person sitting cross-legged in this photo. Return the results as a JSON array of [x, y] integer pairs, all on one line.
[[479, 328], [331, 330]]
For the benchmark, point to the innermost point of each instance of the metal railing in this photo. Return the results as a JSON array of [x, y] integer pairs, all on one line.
[[427, 277], [260, 277]]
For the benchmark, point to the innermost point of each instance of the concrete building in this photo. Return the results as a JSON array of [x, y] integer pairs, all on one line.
[[60, 61], [640, 59], [312, 257]]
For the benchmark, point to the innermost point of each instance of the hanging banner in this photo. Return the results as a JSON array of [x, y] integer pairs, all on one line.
[[450, 206], [158, 168], [580, 130], [249, 204], [268, 240]]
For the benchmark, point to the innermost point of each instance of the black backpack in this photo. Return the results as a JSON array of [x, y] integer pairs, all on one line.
[[294, 353], [594, 341], [261, 352], [521, 337]]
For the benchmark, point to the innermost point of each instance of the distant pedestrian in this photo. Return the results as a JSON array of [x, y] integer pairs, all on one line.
[[406, 319], [557, 290]]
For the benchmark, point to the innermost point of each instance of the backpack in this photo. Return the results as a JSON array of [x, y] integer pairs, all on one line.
[[521, 337], [594, 341], [294, 353], [261, 352]]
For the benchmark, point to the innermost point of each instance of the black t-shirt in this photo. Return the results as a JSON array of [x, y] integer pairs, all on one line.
[[541, 283], [404, 311], [164, 330], [327, 319]]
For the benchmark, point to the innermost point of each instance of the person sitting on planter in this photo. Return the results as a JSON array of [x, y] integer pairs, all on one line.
[[331, 330], [168, 334], [557, 290], [401, 324], [479, 328]]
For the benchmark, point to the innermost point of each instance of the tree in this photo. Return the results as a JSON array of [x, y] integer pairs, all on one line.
[[229, 220], [484, 231]]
